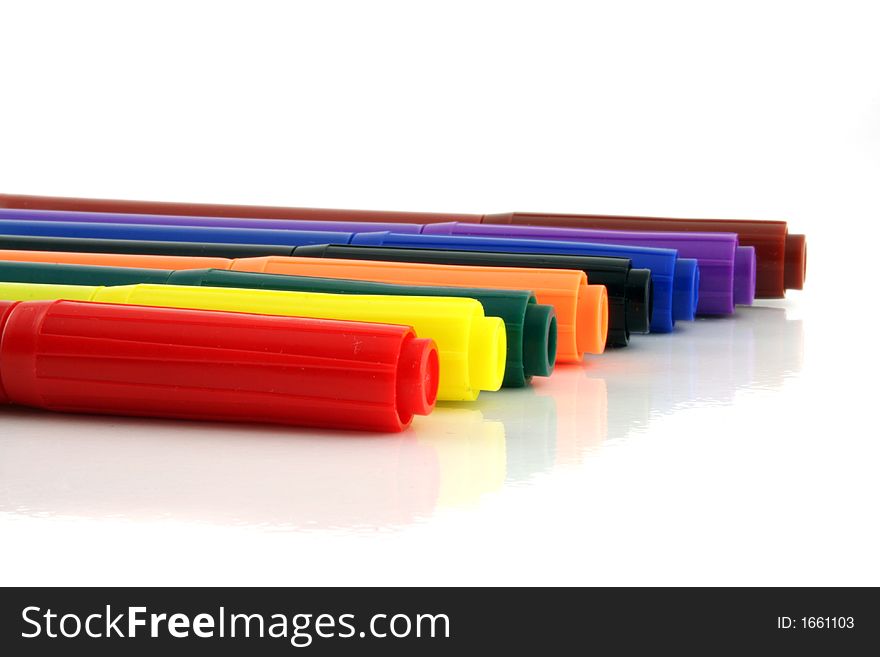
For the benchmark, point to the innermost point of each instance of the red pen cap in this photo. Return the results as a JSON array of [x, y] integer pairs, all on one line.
[[5, 310], [197, 364]]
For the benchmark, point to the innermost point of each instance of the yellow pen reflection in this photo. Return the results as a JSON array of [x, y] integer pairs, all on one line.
[[470, 452]]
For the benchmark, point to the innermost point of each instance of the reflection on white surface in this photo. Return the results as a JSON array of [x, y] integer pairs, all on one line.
[[470, 452], [141, 469], [204, 472], [703, 363]]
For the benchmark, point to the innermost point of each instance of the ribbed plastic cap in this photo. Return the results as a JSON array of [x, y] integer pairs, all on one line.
[[5, 311], [539, 340], [418, 374], [795, 261], [639, 300], [685, 289], [488, 353], [744, 273], [592, 319]]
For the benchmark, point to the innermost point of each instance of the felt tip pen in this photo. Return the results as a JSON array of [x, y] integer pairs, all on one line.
[[81, 357], [471, 347], [531, 327], [727, 271], [781, 256], [630, 290], [675, 279], [581, 309]]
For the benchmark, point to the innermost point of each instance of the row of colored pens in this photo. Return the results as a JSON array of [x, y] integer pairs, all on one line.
[[346, 319]]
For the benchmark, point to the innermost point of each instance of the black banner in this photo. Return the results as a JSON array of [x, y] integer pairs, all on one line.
[[277, 621]]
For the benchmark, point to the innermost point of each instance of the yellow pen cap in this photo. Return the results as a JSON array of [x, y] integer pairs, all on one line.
[[471, 347]]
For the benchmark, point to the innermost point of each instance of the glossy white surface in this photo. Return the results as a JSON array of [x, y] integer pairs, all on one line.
[[700, 456], [734, 451]]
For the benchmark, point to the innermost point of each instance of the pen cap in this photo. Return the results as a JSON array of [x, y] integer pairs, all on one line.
[[5, 311], [795, 261], [167, 362], [581, 309], [744, 275], [471, 347], [686, 297], [639, 300], [539, 339]]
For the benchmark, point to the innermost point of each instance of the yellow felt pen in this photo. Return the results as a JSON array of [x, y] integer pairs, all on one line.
[[471, 347]]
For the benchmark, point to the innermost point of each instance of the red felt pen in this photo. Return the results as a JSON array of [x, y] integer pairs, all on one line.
[[111, 359]]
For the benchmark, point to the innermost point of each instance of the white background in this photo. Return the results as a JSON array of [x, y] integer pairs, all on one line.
[[738, 451]]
